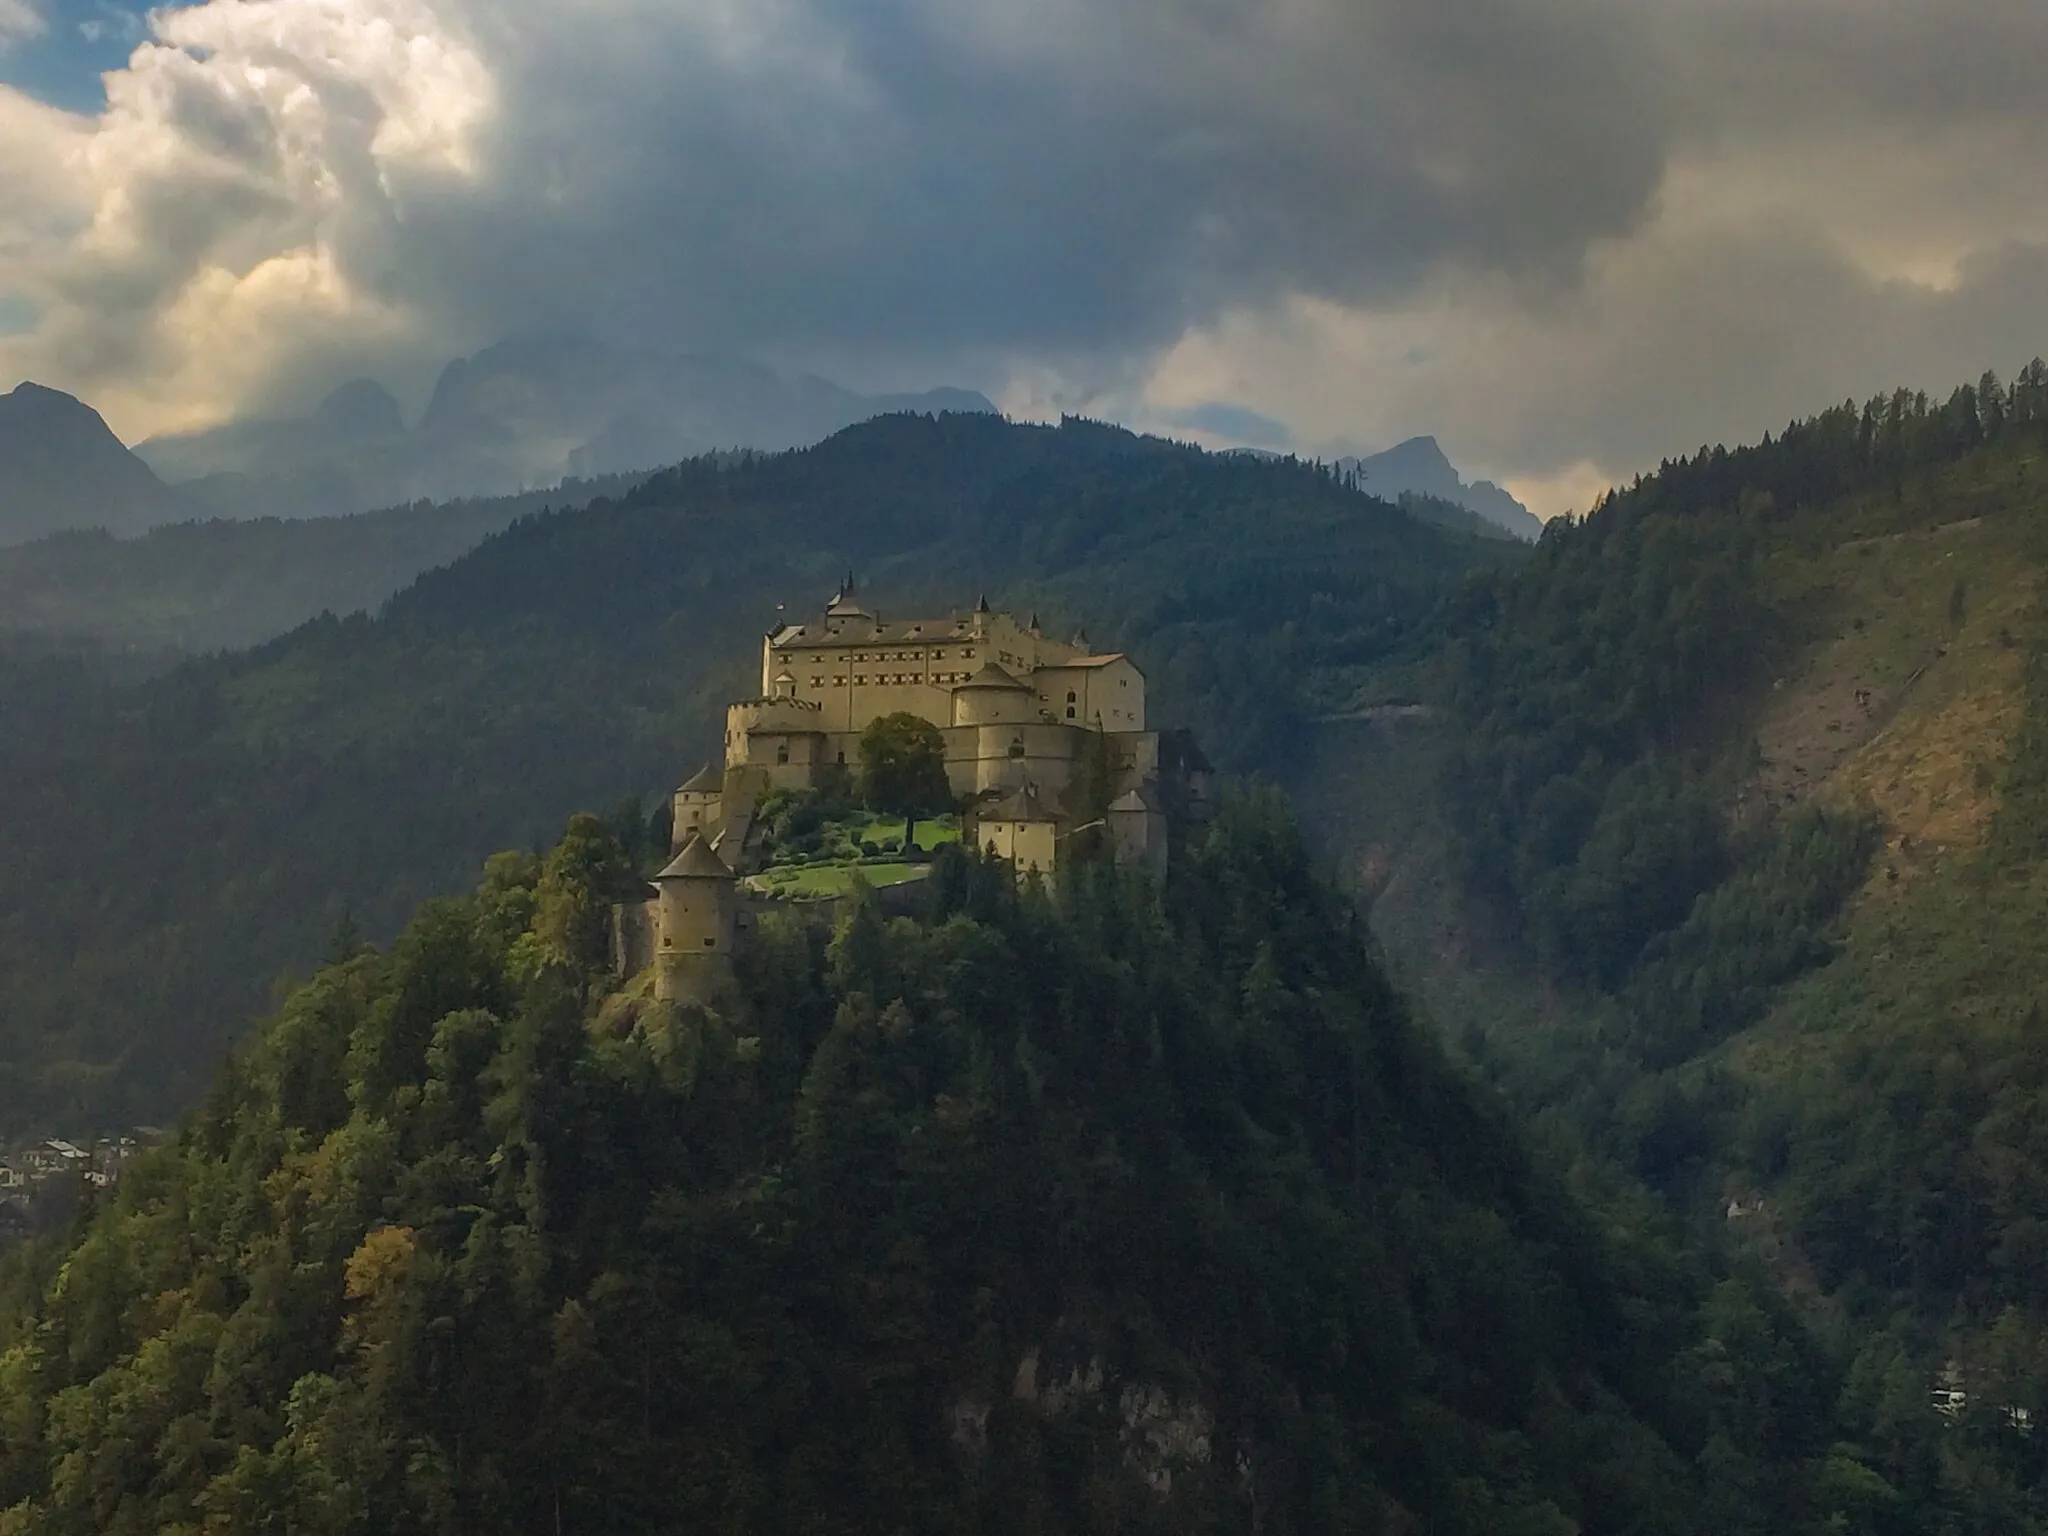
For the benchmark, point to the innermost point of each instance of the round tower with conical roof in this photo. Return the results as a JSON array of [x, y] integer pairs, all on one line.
[[993, 697], [695, 922]]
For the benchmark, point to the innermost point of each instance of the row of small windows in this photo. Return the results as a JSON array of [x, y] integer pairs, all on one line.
[[966, 653], [887, 679]]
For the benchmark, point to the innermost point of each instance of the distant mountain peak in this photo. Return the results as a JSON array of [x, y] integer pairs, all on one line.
[[1419, 466], [361, 408], [62, 467]]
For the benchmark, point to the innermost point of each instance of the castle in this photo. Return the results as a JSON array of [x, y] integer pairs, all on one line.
[[1020, 713]]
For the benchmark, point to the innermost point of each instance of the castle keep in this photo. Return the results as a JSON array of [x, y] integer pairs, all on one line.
[[1020, 713]]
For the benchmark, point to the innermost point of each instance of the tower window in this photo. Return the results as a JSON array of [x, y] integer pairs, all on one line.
[[1070, 699], [711, 943], [1070, 711], [782, 752]]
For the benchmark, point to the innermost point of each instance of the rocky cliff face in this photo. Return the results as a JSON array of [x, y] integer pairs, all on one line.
[[1419, 467]]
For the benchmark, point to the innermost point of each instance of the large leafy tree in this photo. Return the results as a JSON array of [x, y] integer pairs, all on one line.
[[903, 769]]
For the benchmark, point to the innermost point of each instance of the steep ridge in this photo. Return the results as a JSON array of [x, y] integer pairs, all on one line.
[[174, 846]]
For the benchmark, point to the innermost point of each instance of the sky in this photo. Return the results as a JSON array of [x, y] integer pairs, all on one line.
[[1569, 238]]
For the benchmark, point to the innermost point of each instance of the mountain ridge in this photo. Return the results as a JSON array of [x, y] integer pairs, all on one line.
[[62, 467], [1420, 467], [522, 413]]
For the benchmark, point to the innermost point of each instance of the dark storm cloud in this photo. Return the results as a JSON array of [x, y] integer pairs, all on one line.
[[943, 177], [1566, 234]]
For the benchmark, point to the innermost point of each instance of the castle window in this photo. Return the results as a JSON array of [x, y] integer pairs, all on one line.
[[938, 655], [967, 651], [817, 682], [782, 752], [711, 943], [1070, 698], [1070, 711], [839, 681], [1017, 747]]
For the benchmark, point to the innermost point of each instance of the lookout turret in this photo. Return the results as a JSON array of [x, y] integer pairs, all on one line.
[[694, 924]]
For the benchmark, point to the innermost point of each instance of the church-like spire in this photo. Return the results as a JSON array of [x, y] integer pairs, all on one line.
[[846, 601]]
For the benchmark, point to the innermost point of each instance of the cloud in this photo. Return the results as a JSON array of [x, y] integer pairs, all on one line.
[[1566, 236], [20, 22], [920, 179], [1229, 426]]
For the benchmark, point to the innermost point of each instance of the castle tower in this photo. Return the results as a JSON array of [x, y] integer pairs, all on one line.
[[694, 924], [993, 697], [698, 807]]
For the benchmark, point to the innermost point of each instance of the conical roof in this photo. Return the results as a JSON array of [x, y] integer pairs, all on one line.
[[695, 862], [707, 780], [1022, 805], [993, 676], [1132, 800]]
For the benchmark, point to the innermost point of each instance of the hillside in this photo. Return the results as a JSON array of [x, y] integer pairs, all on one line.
[[61, 467], [1719, 848], [1134, 1210], [172, 847]]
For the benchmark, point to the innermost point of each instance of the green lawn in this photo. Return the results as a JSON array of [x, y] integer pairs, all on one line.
[[816, 881]]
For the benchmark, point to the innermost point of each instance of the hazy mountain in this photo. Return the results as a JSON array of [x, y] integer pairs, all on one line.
[[224, 583], [61, 467], [523, 413], [1418, 467]]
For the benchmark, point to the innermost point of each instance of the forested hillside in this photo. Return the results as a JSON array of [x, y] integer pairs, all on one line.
[[1134, 1210], [168, 850], [215, 585], [1722, 854]]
